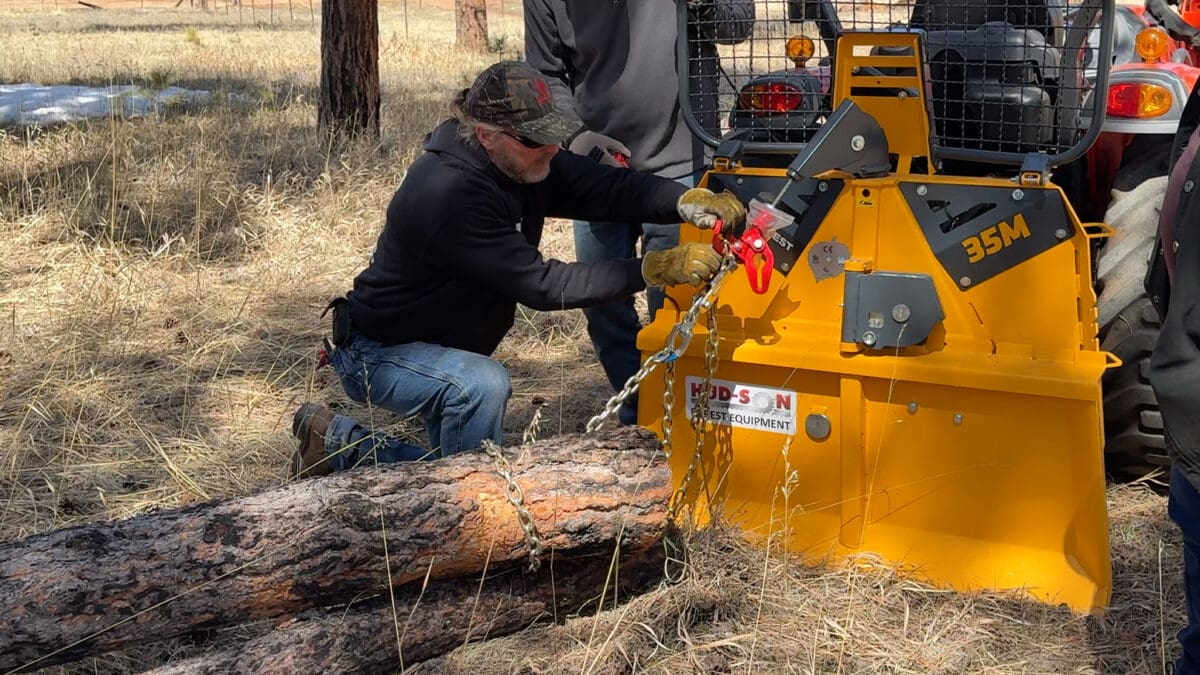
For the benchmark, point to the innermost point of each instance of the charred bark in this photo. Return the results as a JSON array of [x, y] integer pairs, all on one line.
[[374, 638], [79, 591]]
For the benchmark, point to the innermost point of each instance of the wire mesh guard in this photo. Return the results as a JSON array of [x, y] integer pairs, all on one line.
[[1004, 77]]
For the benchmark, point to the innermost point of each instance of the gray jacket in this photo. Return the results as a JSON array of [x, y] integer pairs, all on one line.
[[613, 63]]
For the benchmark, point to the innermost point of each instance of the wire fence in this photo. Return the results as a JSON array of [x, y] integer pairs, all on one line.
[[267, 11]]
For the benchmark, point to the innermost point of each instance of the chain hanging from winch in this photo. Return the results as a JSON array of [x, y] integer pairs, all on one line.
[[699, 413], [677, 343]]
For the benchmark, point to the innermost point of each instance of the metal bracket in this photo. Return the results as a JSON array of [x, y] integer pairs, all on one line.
[[885, 310], [1035, 170], [728, 155], [850, 140]]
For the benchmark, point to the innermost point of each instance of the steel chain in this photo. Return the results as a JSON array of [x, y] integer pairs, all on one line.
[[535, 424], [700, 413], [677, 343], [668, 422], [512, 490]]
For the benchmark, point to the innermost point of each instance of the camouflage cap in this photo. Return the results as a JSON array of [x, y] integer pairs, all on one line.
[[513, 94]]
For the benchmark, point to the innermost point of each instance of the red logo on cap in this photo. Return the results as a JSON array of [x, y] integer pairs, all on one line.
[[543, 92]]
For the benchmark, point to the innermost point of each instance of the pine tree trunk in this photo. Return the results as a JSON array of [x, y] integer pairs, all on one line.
[[79, 591], [349, 103], [470, 24]]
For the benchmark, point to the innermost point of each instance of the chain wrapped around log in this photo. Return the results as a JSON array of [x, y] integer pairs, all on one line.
[[80, 591]]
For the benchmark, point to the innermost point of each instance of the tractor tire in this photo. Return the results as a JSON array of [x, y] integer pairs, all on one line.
[[1133, 428], [1123, 258], [1148, 157], [1129, 325]]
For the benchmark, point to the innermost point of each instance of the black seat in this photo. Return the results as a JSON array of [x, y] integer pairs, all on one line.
[[946, 15], [991, 66]]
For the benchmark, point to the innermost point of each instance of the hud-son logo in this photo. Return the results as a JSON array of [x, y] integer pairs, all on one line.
[[747, 406]]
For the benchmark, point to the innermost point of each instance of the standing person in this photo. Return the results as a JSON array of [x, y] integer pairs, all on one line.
[[459, 250], [613, 63], [1175, 364]]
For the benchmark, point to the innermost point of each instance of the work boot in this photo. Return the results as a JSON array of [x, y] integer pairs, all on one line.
[[309, 425]]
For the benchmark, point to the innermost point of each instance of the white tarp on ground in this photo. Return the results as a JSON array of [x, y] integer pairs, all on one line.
[[41, 104]]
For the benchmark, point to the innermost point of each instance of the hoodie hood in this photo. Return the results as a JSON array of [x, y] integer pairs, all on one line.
[[444, 140]]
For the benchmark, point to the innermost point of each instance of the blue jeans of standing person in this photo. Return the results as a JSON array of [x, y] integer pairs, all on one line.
[[613, 326], [460, 395], [1184, 506]]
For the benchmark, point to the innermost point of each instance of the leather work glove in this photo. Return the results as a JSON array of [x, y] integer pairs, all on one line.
[[600, 148], [692, 263], [702, 208]]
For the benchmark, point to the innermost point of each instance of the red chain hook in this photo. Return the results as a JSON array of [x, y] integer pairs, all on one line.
[[749, 249]]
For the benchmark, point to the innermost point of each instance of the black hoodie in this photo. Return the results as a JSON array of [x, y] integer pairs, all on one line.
[[1175, 361], [459, 248]]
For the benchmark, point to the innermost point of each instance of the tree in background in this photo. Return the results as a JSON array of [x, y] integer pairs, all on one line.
[[470, 23], [349, 103]]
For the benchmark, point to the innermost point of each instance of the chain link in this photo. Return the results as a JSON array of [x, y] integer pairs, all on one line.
[[700, 413], [677, 343], [512, 490], [535, 424], [668, 421]]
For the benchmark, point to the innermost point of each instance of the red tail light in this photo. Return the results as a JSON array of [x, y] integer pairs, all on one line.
[[1123, 100], [1131, 99], [773, 97]]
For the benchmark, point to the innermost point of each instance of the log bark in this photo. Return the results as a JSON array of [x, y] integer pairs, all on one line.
[[349, 99], [374, 638], [470, 25], [79, 591]]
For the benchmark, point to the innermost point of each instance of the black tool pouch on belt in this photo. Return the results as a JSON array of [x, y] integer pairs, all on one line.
[[341, 321]]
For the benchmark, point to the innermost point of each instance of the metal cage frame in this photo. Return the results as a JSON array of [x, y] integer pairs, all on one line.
[[1074, 105]]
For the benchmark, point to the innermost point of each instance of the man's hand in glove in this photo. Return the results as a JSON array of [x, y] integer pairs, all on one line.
[[692, 263], [703, 207], [600, 148]]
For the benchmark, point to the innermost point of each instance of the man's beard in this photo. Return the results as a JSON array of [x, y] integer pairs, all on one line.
[[533, 173]]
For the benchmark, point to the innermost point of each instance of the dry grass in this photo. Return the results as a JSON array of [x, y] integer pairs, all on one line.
[[160, 281], [743, 609]]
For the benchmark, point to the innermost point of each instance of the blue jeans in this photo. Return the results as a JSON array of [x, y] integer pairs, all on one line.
[[460, 395], [1183, 504], [613, 326]]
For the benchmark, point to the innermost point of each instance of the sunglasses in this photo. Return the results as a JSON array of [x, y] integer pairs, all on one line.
[[524, 140]]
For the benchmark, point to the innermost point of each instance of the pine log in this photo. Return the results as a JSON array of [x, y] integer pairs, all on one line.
[[80, 591], [375, 638]]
